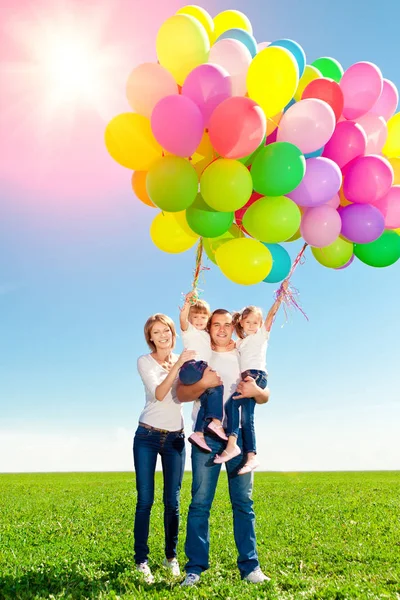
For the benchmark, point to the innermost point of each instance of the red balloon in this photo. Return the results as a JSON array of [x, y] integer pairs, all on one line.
[[239, 214], [327, 90]]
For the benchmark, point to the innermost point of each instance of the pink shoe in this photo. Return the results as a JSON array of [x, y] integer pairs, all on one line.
[[249, 466], [199, 441], [225, 456], [217, 430]]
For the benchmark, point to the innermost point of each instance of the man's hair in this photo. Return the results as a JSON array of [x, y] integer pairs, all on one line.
[[218, 311], [151, 321], [200, 306]]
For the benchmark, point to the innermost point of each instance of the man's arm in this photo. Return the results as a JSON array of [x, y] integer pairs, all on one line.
[[188, 393], [249, 389]]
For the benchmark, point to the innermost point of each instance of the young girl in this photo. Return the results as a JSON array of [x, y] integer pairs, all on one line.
[[193, 321], [252, 347]]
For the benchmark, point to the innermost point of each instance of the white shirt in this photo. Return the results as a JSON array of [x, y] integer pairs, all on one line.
[[199, 341], [166, 414], [253, 350]]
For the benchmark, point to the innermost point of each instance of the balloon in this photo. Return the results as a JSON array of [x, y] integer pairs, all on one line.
[[211, 245], [320, 183], [237, 127], [131, 143], [320, 226], [387, 102], [308, 124], [348, 141], [177, 124], [206, 221], [273, 123], [361, 223], [392, 146], [203, 155], [335, 255], [171, 233], [226, 185], [395, 162], [146, 85], [139, 187], [262, 45], [329, 67], [346, 265], [207, 85], [244, 261], [328, 91], [281, 263], [202, 16], [235, 58], [274, 219], [231, 19], [334, 201], [314, 154], [172, 184], [295, 237], [367, 179], [272, 79], [383, 252], [389, 206], [375, 129], [310, 73], [182, 44], [296, 50], [361, 86], [342, 198], [239, 214], [241, 36], [248, 160], [278, 169]]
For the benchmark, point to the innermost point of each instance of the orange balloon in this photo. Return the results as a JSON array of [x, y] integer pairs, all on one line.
[[273, 122], [139, 187], [343, 199]]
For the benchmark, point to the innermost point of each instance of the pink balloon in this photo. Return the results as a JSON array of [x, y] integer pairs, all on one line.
[[148, 84], [387, 102], [361, 85], [320, 226], [235, 58], [271, 138], [334, 201], [262, 45], [207, 85], [348, 142], [177, 125], [376, 131], [367, 179], [321, 182], [308, 124], [389, 206]]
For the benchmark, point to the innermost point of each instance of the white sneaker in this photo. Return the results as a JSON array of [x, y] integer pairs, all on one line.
[[173, 567], [145, 570], [256, 576], [190, 580]]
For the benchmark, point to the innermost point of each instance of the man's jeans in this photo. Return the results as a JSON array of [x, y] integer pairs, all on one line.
[[211, 401], [204, 482], [147, 444]]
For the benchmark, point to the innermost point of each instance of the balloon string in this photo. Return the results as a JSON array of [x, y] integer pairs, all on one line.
[[289, 296], [199, 268]]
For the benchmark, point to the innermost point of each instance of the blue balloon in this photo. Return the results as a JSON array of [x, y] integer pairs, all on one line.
[[296, 50], [281, 263], [293, 101], [241, 36], [315, 154]]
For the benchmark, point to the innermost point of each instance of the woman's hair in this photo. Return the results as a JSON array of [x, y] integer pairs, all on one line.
[[200, 306], [242, 314], [158, 318]]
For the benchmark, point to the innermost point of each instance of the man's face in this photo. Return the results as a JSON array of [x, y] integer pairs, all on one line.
[[221, 329]]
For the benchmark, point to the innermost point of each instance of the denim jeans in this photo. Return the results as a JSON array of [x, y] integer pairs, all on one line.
[[147, 444], [204, 482], [247, 416], [211, 401]]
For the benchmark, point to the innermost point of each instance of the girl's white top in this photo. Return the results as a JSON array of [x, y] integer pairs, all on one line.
[[199, 341], [165, 414], [253, 350]]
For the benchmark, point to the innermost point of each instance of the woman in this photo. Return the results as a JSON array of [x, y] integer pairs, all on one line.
[[160, 431]]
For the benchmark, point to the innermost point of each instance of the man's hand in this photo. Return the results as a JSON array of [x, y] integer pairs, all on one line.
[[249, 389], [211, 378]]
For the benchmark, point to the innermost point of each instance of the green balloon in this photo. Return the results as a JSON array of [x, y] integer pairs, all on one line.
[[206, 221], [278, 169], [212, 245], [383, 252], [273, 219], [335, 255], [226, 185], [172, 184], [329, 67], [249, 159]]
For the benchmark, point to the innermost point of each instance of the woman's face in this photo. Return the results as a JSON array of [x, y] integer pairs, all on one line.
[[161, 336]]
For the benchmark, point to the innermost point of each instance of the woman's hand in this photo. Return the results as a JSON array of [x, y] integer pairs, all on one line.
[[185, 356]]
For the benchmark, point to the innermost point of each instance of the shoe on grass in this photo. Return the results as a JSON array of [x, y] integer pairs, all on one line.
[[172, 566], [144, 569], [256, 576], [190, 580]]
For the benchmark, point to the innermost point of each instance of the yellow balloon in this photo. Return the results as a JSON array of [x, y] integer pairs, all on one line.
[[171, 233], [310, 73], [397, 231], [204, 155], [395, 162], [231, 19], [272, 79], [244, 261], [182, 44], [392, 146], [131, 142], [201, 15]]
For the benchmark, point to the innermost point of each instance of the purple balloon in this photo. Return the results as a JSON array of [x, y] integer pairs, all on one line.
[[321, 182], [207, 85], [367, 179], [362, 223]]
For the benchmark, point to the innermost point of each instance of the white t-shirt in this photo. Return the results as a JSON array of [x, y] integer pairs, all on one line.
[[227, 366], [166, 414], [253, 350], [199, 341]]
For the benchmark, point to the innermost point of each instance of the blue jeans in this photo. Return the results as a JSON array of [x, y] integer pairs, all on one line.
[[147, 444], [204, 482], [211, 401], [247, 416]]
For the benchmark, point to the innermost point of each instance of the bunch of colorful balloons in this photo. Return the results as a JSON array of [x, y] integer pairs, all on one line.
[[247, 146]]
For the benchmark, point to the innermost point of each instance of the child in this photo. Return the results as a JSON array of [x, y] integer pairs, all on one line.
[[193, 321], [252, 347]]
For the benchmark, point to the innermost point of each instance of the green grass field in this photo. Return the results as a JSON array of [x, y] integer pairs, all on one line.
[[320, 535]]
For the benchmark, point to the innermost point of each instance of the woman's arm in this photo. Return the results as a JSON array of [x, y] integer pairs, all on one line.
[[188, 393], [275, 307], [152, 381]]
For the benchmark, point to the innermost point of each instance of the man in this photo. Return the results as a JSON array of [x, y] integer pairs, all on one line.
[[224, 368]]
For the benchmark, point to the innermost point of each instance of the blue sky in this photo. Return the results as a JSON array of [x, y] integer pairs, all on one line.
[[79, 276]]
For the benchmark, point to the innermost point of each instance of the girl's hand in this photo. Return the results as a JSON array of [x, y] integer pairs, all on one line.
[[185, 356]]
